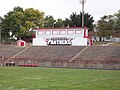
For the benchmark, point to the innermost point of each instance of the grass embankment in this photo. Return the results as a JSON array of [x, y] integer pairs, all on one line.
[[98, 43], [18, 78], [115, 44], [109, 43]]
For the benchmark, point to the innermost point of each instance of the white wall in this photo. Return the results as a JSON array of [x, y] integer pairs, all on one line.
[[39, 42], [79, 42], [116, 39], [75, 37]]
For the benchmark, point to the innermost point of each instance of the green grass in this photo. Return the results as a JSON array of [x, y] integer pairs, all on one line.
[[98, 43], [18, 78], [115, 44]]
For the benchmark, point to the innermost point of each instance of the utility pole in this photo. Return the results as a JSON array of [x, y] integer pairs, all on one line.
[[82, 2], [0, 32]]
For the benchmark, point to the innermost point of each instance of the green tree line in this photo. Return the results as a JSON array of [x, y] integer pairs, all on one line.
[[20, 22], [109, 25]]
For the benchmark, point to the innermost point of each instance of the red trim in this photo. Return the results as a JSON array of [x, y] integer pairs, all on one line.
[[34, 36], [86, 36], [58, 28], [91, 42]]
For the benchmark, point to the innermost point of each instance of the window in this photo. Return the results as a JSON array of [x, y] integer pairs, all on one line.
[[78, 32], [40, 32], [48, 32], [70, 32], [55, 32], [63, 32]]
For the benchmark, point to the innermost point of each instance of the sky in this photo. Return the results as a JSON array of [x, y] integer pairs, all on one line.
[[64, 8]]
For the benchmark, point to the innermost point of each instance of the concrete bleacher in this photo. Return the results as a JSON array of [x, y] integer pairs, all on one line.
[[100, 57], [101, 53], [50, 52], [103, 57], [7, 51]]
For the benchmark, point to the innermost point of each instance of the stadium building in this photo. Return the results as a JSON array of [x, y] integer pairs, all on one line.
[[61, 36]]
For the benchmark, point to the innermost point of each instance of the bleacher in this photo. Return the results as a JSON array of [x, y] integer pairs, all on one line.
[[50, 52], [101, 53], [107, 57], [9, 50], [103, 57]]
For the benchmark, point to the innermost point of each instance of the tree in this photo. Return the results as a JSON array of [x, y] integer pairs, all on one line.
[[9, 23], [49, 22], [106, 26], [76, 20], [109, 25], [31, 19], [88, 21], [117, 21], [66, 22], [59, 23], [20, 21]]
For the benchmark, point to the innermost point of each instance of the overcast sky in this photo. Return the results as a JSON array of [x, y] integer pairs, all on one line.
[[63, 8]]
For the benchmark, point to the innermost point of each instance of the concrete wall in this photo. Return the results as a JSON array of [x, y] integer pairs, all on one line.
[[75, 64]]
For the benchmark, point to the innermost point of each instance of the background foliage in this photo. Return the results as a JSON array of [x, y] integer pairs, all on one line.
[[109, 25]]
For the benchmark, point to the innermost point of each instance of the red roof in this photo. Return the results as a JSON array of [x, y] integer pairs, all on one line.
[[58, 28]]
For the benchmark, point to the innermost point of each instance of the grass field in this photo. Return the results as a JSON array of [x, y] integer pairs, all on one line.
[[18, 78]]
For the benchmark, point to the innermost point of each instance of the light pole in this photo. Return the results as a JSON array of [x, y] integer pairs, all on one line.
[[82, 2]]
